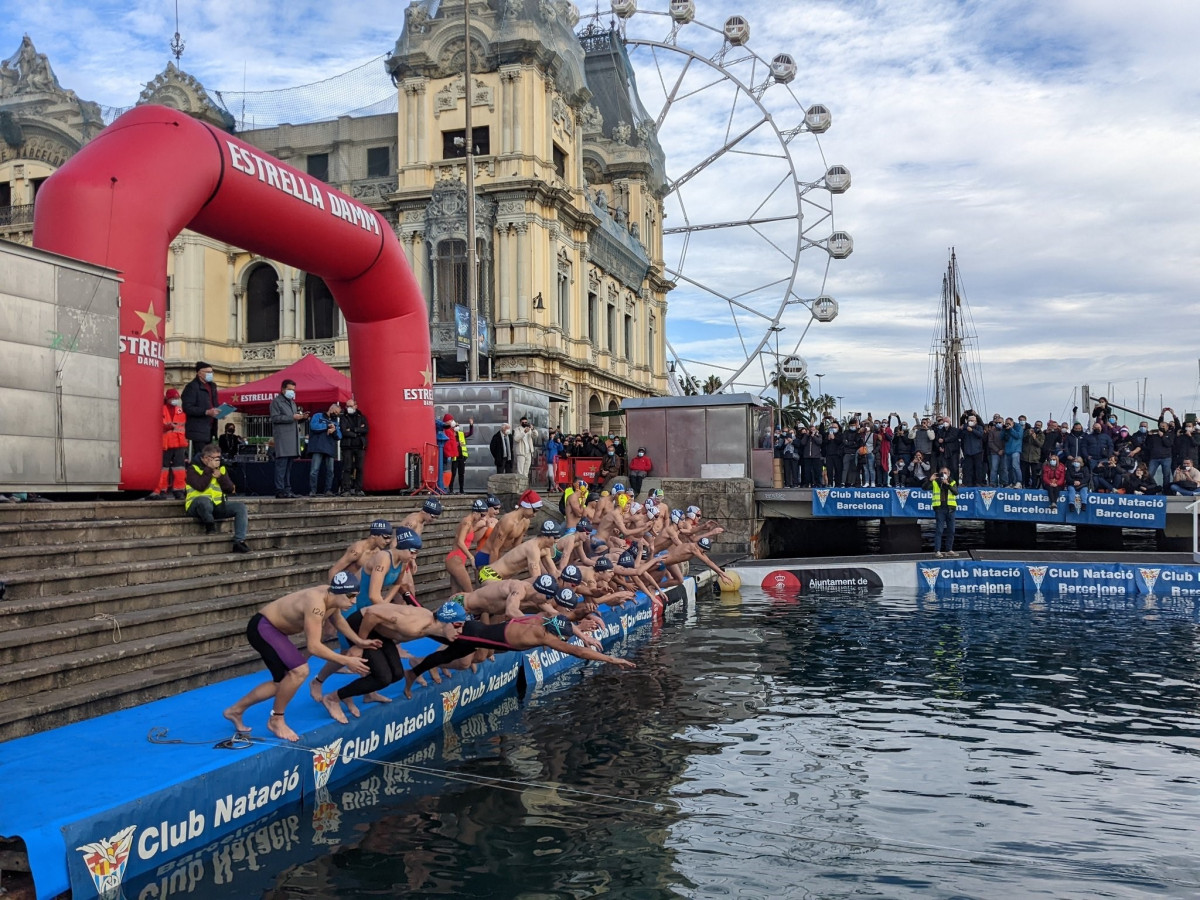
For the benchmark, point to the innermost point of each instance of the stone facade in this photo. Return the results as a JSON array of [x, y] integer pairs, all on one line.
[[727, 501], [568, 220]]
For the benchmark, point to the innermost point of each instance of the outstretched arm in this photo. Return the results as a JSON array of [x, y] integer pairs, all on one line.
[[583, 652]]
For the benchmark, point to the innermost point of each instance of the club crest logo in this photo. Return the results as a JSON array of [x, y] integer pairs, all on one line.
[[1038, 573], [535, 663], [450, 703], [930, 574], [626, 621], [106, 859], [324, 759], [822, 494], [1150, 576], [902, 495], [987, 497]]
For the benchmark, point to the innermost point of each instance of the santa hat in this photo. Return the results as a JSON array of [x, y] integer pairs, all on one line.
[[447, 418], [531, 500], [172, 394]]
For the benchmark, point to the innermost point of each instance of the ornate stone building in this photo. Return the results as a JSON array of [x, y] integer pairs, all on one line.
[[569, 180]]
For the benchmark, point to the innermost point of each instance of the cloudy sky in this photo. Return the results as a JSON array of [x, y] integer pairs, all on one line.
[[1056, 146]]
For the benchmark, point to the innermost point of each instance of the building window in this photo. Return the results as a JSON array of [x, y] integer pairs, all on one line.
[[593, 332], [317, 165], [262, 305], [629, 354], [650, 345], [379, 162], [450, 275], [560, 162], [37, 185], [320, 310], [612, 330], [564, 301], [5, 195], [454, 144]]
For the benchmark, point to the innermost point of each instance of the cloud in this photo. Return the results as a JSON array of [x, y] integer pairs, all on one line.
[[1053, 146]]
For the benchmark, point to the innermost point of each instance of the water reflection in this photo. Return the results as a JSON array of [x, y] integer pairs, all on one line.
[[825, 747]]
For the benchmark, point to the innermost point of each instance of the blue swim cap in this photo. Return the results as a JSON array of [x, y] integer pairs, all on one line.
[[493, 502], [451, 611], [567, 597], [676, 516], [618, 488], [545, 585], [571, 575], [627, 560], [479, 505], [381, 528], [407, 539], [433, 506], [604, 564], [343, 583], [550, 529], [585, 525], [704, 544]]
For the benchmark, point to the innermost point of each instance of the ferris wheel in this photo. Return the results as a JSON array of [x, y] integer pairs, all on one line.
[[749, 233]]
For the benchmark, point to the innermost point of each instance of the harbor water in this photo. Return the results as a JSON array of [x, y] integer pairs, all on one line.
[[823, 747]]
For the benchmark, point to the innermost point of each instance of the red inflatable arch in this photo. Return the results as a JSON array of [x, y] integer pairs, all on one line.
[[122, 199]]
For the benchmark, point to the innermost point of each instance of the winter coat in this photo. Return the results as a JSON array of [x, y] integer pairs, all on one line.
[[198, 397], [993, 439], [923, 441], [1014, 435], [1097, 446], [354, 430], [971, 438], [947, 440], [1073, 445], [286, 430], [1031, 445], [319, 438], [1054, 476]]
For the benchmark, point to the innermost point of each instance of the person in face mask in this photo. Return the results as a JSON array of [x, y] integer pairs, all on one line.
[[971, 439], [611, 465], [1032, 442], [171, 481], [1079, 482], [639, 468], [286, 418], [851, 443], [1054, 479], [832, 447], [199, 402], [354, 445]]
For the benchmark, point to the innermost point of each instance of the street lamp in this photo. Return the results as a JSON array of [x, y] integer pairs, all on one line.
[[819, 377], [839, 406]]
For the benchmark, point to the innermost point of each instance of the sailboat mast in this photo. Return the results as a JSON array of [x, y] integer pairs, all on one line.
[[955, 402]]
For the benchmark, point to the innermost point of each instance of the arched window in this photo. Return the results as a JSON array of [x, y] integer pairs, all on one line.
[[616, 424], [320, 312], [262, 305], [595, 420], [450, 274]]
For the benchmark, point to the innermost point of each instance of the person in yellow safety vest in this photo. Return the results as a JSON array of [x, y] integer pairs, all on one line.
[[456, 457], [945, 505], [206, 501]]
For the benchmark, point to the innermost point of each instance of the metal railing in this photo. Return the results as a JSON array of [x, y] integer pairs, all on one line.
[[13, 216]]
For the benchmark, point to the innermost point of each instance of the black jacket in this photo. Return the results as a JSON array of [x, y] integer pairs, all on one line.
[[198, 397], [501, 447], [354, 430]]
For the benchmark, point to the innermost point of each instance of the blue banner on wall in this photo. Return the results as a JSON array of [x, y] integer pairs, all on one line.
[[998, 504], [1074, 580]]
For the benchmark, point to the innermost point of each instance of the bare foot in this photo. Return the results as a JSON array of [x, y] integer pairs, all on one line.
[[474, 667], [408, 683], [353, 707], [435, 674], [334, 707], [376, 697], [314, 688], [280, 729], [236, 718]]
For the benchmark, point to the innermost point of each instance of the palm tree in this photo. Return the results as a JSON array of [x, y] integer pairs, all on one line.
[[712, 384], [794, 389], [690, 385]]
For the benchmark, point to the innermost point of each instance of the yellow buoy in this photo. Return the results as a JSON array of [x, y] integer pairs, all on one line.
[[729, 582]]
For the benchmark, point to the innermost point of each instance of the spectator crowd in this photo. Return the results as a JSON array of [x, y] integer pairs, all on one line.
[[1099, 455]]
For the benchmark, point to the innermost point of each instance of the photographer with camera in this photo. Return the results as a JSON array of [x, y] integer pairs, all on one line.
[[945, 505]]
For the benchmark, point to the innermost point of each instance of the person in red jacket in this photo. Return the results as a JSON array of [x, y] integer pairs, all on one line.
[[1054, 479], [639, 468], [174, 444]]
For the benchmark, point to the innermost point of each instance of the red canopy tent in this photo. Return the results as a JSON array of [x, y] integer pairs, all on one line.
[[317, 386]]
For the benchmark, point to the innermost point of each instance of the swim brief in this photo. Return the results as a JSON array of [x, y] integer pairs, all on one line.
[[487, 573]]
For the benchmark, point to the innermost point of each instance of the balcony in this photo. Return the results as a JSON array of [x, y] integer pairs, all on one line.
[[16, 216]]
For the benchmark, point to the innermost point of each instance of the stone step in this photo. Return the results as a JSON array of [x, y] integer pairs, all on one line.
[[43, 710], [50, 639], [170, 547]]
